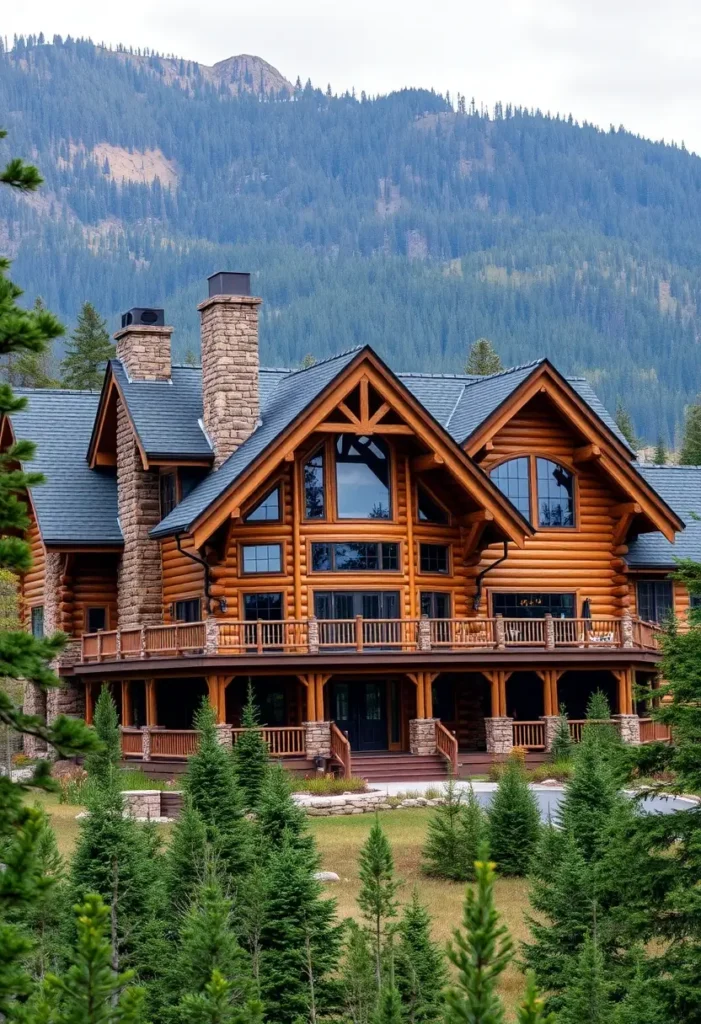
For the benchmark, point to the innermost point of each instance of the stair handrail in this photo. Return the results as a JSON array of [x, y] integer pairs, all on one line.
[[341, 749], [447, 746]]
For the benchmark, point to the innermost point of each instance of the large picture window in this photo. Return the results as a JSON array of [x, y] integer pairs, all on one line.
[[513, 479], [346, 604], [555, 494], [655, 600], [362, 478], [356, 557], [261, 558], [534, 605]]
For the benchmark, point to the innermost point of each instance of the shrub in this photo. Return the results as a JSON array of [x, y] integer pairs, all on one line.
[[329, 785], [518, 754], [75, 787], [514, 822], [560, 770]]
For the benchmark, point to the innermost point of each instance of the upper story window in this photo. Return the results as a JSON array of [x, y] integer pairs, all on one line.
[[267, 510], [534, 605], [542, 490], [261, 557], [355, 557], [434, 558], [655, 600], [314, 497], [96, 619], [168, 493], [513, 479], [429, 511], [555, 494], [187, 611], [38, 621], [362, 478], [435, 604], [267, 607]]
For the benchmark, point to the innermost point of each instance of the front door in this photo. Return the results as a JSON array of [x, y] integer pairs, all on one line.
[[360, 710]]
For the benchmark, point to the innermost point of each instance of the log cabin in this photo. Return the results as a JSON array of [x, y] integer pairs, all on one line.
[[413, 571]]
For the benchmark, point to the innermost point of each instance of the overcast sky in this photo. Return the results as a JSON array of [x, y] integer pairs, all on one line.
[[630, 62]]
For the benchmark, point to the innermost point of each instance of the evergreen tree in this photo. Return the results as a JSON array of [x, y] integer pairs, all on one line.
[[561, 749], [514, 822], [587, 996], [23, 656], [210, 782], [443, 852], [660, 455], [642, 1002], [251, 757], [690, 453], [419, 966], [278, 814], [389, 1007], [592, 798], [483, 359], [358, 985], [532, 1011], [480, 952], [474, 833], [91, 991], [185, 858], [378, 890], [102, 763], [214, 1005], [87, 351], [43, 919], [299, 940], [625, 425]]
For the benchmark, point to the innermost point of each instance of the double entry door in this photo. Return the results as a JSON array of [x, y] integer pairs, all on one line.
[[360, 709]]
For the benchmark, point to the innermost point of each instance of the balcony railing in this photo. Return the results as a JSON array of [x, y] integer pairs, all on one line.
[[310, 636], [531, 735], [154, 743]]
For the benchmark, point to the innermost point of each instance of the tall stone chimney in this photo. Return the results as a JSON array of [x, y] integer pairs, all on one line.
[[229, 362], [143, 344]]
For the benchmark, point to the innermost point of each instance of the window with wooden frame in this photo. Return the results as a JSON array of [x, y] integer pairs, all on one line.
[[434, 558], [261, 558], [542, 489], [534, 605], [37, 621], [188, 610], [363, 479], [95, 619], [655, 600], [266, 607], [428, 508], [355, 556], [436, 604], [168, 492], [267, 510], [315, 485]]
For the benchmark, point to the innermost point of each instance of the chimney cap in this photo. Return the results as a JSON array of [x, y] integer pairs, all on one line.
[[225, 282], [142, 316]]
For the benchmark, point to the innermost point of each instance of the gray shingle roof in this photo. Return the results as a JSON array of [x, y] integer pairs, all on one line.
[[76, 505], [680, 486], [280, 407]]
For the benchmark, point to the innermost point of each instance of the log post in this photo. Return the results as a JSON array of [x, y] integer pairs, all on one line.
[[151, 704], [127, 709]]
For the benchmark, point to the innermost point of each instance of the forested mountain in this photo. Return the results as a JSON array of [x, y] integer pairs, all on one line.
[[393, 220]]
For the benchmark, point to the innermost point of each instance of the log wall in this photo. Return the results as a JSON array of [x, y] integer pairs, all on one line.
[[32, 582]]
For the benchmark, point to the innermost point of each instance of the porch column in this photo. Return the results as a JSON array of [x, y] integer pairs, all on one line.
[[127, 710], [216, 685], [317, 731], [499, 728], [89, 704], [422, 729], [151, 707], [627, 722]]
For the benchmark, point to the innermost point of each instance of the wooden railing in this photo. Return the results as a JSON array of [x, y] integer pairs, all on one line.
[[530, 735], [341, 750], [310, 636], [132, 743], [178, 744], [174, 744], [447, 746], [654, 732], [282, 741]]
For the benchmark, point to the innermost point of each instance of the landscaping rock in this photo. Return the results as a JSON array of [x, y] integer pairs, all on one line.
[[326, 876]]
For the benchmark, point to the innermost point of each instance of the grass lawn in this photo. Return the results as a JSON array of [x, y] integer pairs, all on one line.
[[340, 839]]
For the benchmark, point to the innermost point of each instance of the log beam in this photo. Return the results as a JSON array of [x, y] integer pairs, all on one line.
[[587, 453], [425, 463]]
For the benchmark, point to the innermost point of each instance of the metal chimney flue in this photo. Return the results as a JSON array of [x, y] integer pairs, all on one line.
[[226, 283]]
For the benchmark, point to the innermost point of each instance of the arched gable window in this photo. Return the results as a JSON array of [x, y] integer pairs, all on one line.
[[542, 490]]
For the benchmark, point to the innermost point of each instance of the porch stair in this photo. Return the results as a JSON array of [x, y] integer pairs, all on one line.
[[399, 767]]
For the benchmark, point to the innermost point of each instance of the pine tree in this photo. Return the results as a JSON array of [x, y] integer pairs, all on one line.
[[690, 453], [210, 782], [389, 1007], [278, 814], [87, 351], [625, 425], [299, 940], [483, 359], [419, 966], [480, 952], [592, 798], [214, 1005], [474, 833], [251, 756], [660, 455], [43, 919], [23, 656], [514, 822], [442, 852], [91, 991], [378, 890], [358, 985], [102, 763], [186, 857], [587, 997], [561, 748], [531, 1010]]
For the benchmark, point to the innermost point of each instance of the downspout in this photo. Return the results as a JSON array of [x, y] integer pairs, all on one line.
[[477, 600], [207, 574]]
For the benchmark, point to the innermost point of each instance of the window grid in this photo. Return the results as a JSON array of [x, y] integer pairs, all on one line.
[[434, 558], [555, 486], [261, 558], [655, 600], [355, 557], [513, 480], [267, 510], [267, 607], [38, 620], [187, 611], [435, 604]]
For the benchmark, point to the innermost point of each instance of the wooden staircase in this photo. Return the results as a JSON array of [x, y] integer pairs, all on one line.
[[389, 767]]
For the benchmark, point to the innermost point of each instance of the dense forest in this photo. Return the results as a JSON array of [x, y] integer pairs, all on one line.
[[396, 220]]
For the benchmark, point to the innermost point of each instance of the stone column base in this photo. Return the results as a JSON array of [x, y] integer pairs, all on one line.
[[500, 735], [422, 736], [629, 728], [225, 737], [318, 739], [551, 726]]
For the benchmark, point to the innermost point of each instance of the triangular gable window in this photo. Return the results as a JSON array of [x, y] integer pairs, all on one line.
[[267, 510], [429, 509]]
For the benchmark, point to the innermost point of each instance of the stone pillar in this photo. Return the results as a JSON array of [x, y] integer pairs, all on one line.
[[230, 393], [211, 635], [551, 723], [52, 586], [629, 728], [500, 632], [144, 352], [313, 635], [424, 634], [318, 739], [139, 582], [500, 735], [627, 629], [66, 699], [225, 737], [422, 736], [549, 633], [145, 743]]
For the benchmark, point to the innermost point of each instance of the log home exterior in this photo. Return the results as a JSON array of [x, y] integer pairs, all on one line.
[[420, 565]]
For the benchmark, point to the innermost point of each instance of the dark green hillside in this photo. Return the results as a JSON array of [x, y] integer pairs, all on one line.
[[394, 221]]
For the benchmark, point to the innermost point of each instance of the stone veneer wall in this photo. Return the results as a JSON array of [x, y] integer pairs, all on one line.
[[145, 352], [318, 739], [139, 581], [422, 736], [500, 735], [230, 393]]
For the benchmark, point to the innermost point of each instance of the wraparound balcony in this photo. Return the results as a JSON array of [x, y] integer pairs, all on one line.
[[230, 638]]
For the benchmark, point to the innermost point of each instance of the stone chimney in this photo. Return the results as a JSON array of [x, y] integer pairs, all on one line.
[[143, 344], [229, 363]]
